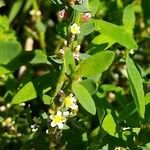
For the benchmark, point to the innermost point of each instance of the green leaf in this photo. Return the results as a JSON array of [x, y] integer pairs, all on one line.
[[8, 51], [136, 86], [129, 110], [111, 87], [40, 26], [6, 33], [129, 18], [101, 39], [47, 99], [59, 82], [114, 32], [27, 93], [15, 9], [84, 97], [62, 29], [87, 28], [82, 7], [145, 9], [90, 85], [93, 6], [109, 124], [69, 63], [96, 64], [40, 57], [2, 3], [147, 98], [3, 71]]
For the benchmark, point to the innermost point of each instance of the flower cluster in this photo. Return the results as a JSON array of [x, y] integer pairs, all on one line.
[[62, 13], [86, 16], [60, 118], [70, 102], [75, 29], [34, 12], [9, 124]]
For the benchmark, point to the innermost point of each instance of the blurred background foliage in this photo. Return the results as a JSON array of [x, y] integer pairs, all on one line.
[[19, 123]]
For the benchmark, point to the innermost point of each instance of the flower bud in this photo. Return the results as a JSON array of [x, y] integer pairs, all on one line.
[[86, 16]]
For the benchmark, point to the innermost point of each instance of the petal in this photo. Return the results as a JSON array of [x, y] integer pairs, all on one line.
[[59, 113], [53, 124], [71, 95], [51, 117], [73, 99], [60, 125], [66, 113], [64, 119], [74, 106]]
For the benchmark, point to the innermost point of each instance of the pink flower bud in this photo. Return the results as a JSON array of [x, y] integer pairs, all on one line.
[[86, 16], [62, 14]]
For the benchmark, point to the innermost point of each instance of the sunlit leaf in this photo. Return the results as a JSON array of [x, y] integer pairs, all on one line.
[[136, 86], [109, 124], [27, 93], [129, 18], [8, 51], [84, 97], [115, 33], [96, 64]]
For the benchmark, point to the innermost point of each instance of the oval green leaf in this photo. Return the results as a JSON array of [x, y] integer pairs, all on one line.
[[129, 18], [114, 32], [136, 86], [69, 63], [84, 97], [27, 93], [96, 64], [8, 51], [109, 124]]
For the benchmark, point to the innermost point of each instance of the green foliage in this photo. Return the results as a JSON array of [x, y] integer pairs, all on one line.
[[136, 87], [68, 77], [69, 61], [129, 18], [5, 32], [112, 33], [9, 50], [84, 97], [109, 124], [147, 98], [89, 68], [23, 94]]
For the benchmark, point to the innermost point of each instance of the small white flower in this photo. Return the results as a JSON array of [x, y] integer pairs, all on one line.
[[78, 48], [34, 12], [70, 102], [65, 42], [38, 13], [66, 113], [58, 120], [8, 105], [22, 104], [19, 134], [2, 108], [7, 122], [75, 29], [132, 51], [34, 129], [76, 55], [47, 132], [32, 126], [62, 51]]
